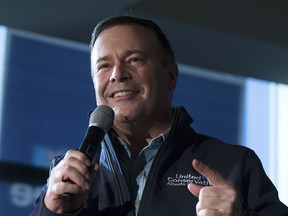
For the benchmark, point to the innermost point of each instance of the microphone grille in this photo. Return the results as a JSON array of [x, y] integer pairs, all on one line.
[[102, 117]]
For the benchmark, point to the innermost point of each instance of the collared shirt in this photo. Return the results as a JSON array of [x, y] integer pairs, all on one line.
[[136, 168]]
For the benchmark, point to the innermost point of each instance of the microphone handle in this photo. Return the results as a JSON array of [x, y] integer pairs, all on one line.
[[91, 142]]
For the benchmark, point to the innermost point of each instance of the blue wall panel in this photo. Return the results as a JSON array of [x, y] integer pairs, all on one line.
[[48, 92]]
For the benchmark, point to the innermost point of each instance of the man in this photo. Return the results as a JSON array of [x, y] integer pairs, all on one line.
[[152, 162]]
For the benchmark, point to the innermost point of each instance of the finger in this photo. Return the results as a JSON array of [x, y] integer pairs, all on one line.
[[74, 165], [70, 165], [72, 170], [79, 155], [194, 189], [214, 177], [65, 187], [226, 202], [70, 175]]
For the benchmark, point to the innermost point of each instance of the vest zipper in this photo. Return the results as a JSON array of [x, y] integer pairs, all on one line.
[[155, 164]]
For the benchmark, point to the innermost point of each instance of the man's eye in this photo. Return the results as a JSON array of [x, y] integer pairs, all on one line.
[[103, 66], [136, 60]]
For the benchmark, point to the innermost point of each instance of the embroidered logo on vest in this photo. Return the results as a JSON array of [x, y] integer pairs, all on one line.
[[185, 179]]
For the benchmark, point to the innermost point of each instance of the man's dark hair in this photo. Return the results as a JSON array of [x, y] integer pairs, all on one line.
[[168, 53]]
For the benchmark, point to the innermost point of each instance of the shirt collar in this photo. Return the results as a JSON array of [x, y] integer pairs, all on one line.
[[160, 138]]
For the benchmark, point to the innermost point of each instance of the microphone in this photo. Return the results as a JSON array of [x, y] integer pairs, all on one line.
[[100, 121]]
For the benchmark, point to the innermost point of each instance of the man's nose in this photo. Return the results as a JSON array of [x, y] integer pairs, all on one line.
[[120, 73]]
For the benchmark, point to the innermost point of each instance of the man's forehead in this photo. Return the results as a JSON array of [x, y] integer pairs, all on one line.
[[124, 36]]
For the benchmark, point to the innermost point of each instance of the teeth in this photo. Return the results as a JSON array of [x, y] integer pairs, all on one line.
[[122, 93]]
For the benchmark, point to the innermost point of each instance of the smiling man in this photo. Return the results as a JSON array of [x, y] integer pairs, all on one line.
[[152, 163], [131, 76]]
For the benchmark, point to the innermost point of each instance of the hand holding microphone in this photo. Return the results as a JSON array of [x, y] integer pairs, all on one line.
[[70, 180]]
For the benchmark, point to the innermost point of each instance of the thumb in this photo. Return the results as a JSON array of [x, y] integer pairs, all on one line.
[[194, 189], [93, 171], [214, 177]]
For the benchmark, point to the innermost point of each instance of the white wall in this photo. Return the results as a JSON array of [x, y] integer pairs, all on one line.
[[3, 37], [265, 129]]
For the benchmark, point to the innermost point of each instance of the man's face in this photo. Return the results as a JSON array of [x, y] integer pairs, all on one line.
[[129, 75]]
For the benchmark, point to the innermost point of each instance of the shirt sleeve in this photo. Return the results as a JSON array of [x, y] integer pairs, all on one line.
[[40, 209]]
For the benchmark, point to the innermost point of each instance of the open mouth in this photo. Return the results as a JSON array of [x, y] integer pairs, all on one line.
[[122, 93]]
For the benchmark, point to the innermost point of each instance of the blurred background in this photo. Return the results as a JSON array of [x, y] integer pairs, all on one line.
[[232, 58]]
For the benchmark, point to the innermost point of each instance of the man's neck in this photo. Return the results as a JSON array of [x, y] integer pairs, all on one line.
[[138, 137]]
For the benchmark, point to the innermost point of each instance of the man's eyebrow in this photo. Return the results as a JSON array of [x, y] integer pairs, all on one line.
[[104, 58], [127, 53], [130, 52]]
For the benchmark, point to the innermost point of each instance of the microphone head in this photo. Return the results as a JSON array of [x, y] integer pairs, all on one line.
[[102, 117]]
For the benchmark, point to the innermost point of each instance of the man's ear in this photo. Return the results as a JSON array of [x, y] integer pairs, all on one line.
[[173, 76]]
